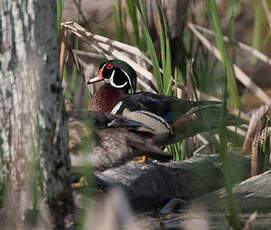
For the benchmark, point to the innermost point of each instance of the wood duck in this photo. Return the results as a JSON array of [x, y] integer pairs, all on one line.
[[117, 140], [120, 78], [170, 118]]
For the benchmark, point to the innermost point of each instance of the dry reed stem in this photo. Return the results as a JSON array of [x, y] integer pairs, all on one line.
[[262, 57], [240, 75], [106, 46], [62, 53], [259, 157], [256, 124], [250, 223]]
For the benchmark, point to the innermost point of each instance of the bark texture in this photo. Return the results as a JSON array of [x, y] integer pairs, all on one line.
[[33, 124]]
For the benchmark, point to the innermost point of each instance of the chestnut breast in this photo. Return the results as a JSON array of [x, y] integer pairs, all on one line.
[[106, 97]]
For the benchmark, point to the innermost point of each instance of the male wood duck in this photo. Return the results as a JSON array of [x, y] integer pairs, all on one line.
[[170, 118], [128, 124]]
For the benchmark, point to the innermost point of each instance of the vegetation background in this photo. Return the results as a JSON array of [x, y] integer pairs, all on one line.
[[181, 43], [206, 50]]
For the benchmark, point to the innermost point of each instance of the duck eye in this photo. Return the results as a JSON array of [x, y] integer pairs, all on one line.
[[109, 66]]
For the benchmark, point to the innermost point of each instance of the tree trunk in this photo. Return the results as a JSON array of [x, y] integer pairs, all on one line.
[[33, 125]]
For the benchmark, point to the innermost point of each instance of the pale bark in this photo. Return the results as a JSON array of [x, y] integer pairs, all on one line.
[[32, 122]]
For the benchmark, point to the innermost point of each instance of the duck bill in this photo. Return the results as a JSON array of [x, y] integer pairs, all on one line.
[[99, 77]]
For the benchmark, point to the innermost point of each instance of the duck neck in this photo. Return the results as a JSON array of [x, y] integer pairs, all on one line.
[[106, 98]]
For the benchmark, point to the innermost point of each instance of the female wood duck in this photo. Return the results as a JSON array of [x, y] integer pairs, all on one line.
[[117, 140], [170, 118]]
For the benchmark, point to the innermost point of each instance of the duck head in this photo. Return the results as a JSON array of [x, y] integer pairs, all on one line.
[[118, 74], [119, 80]]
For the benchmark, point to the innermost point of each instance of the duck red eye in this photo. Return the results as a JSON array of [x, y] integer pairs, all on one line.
[[109, 66]]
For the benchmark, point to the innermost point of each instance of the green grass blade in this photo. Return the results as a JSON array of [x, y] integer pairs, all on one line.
[[167, 78], [59, 9], [233, 5], [234, 218], [257, 27], [118, 18], [234, 96], [162, 45], [133, 15], [150, 45], [167, 70]]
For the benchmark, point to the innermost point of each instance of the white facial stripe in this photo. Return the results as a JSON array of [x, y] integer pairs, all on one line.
[[117, 86], [111, 81], [126, 74], [112, 75]]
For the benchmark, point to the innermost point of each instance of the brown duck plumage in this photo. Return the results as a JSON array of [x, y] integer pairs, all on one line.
[[116, 140]]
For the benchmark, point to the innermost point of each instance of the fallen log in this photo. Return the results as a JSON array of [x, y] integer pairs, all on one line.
[[149, 185], [253, 194]]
